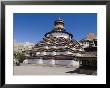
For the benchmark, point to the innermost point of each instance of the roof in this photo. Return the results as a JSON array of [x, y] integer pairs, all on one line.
[[89, 37], [58, 32], [59, 20], [88, 54]]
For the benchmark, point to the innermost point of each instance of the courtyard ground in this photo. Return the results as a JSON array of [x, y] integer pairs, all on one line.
[[32, 69]]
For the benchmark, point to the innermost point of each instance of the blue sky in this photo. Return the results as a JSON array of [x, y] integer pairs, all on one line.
[[31, 27]]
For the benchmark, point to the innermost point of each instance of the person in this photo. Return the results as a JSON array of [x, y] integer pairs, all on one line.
[[17, 63]]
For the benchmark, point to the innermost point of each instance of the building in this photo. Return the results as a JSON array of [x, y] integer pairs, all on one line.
[[89, 41], [89, 57], [22, 47], [57, 46]]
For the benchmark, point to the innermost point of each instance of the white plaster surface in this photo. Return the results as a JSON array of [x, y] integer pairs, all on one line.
[[54, 62]]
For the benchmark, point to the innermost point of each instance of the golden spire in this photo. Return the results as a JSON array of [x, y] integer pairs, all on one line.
[[59, 18]]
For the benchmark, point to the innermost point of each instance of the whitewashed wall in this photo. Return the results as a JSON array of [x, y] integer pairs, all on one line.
[[68, 52], [59, 53], [56, 62], [53, 53], [46, 61], [49, 62], [73, 48], [45, 47], [52, 47], [49, 53], [67, 62], [61, 35], [48, 47], [44, 53], [60, 25], [37, 53], [60, 46], [32, 61], [78, 54]]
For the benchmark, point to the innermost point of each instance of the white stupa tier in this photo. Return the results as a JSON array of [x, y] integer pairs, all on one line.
[[57, 35]]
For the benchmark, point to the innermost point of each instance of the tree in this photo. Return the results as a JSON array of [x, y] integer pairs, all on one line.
[[20, 57]]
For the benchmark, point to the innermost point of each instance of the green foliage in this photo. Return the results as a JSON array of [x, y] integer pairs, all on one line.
[[20, 57]]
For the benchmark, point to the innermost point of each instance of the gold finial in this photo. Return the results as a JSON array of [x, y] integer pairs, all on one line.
[[59, 18]]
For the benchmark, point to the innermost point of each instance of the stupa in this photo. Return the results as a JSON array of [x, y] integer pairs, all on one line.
[[56, 46]]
